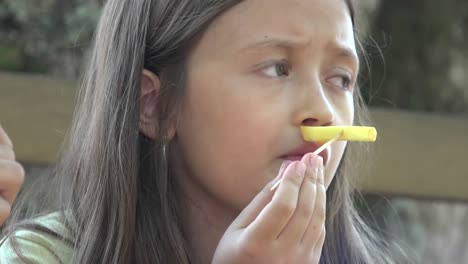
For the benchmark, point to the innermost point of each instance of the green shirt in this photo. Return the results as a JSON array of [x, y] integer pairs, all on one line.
[[36, 246]]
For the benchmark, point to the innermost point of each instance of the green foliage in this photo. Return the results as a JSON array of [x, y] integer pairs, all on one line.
[[48, 35], [80, 23], [10, 58], [426, 56]]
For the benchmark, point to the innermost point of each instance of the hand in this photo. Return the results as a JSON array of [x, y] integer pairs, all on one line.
[[11, 176], [285, 226]]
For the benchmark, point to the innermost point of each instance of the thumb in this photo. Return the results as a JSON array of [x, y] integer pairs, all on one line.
[[4, 139], [254, 208]]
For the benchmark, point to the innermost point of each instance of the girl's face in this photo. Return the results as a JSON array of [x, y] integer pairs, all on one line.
[[259, 72]]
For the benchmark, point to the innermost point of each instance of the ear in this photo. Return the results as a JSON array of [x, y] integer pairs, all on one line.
[[149, 99]]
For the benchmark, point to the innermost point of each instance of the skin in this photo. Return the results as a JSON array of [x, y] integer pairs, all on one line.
[[11, 176], [242, 112]]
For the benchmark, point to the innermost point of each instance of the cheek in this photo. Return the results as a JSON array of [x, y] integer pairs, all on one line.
[[226, 144], [226, 126], [344, 111], [337, 152]]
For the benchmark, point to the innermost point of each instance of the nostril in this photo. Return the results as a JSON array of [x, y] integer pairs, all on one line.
[[315, 122], [310, 122]]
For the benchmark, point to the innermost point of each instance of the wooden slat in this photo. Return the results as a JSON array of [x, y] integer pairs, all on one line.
[[35, 111], [419, 155]]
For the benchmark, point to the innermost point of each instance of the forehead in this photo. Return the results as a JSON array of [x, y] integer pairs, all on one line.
[[326, 21]]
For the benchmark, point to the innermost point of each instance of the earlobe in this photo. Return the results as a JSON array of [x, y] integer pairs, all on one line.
[[149, 99], [149, 93]]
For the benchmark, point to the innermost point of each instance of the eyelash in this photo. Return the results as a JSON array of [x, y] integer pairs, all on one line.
[[347, 80], [278, 63]]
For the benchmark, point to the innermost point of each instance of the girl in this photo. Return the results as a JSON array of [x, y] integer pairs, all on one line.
[[189, 112]]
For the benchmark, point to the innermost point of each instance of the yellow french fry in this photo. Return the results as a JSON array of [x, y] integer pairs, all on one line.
[[350, 133]]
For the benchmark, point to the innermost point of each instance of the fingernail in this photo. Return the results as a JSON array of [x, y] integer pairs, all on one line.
[[314, 161], [300, 169]]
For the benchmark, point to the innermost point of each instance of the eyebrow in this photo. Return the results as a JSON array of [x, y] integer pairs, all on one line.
[[273, 43], [345, 52], [339, 50]]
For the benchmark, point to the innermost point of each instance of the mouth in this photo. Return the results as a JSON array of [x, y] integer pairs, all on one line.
[[302, 150]]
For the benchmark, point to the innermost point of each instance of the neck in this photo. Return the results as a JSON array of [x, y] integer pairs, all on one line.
[[204, 218], [204, 221]]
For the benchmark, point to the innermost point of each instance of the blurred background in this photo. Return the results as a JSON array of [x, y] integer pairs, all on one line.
[[414, 78]]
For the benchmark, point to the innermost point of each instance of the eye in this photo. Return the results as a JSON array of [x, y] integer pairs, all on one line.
[[343, 82], [277, 69]]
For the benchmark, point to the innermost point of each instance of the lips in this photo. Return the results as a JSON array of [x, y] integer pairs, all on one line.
[[299, 152]]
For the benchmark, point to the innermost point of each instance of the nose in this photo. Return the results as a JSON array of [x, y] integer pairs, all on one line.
[[314, 107]]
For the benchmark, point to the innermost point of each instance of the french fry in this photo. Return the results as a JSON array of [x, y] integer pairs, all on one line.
[[350, 133], [331, 134]]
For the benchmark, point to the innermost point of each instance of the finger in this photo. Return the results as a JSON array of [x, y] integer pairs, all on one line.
[[248, 215], [6, 152], [317, 251], [4, 139], [317, 221], [11, 179], [276, 214], [295, 229], [5, 209]]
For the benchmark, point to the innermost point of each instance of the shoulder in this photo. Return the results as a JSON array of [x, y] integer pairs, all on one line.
[[35, 244]]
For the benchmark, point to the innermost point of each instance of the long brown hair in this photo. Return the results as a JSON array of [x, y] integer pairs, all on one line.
[[115, 195]]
